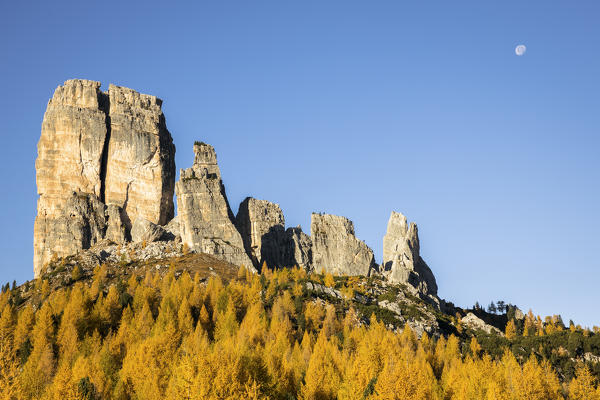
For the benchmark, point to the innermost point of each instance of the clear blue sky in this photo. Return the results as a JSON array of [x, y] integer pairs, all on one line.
[[355, 109]]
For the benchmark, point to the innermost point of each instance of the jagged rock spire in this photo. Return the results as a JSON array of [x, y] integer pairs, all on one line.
[[402, 262], [206, 222]]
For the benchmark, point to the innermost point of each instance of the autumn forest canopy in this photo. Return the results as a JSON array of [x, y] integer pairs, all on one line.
[[265, 336]]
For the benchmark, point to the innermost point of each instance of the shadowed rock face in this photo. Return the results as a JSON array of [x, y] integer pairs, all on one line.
[[262, 226], [205, 219], [298, 249], [107, 148], [335, 249], [401, 260]]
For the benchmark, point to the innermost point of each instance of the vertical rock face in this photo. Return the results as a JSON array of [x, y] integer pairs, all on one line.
[[140, 166], [335, 249], [72, 141], [401, 260], [262, 226], [205, 218], [298, 249], [74, 161]]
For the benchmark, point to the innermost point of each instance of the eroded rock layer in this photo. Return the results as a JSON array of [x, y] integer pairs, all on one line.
[[335, 249], [86, 136], [401, 260], [205, 219]]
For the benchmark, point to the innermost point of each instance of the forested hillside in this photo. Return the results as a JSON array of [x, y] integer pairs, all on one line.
[[277, 335]]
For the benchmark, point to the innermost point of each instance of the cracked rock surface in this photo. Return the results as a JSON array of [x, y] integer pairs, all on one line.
[[100, 149]]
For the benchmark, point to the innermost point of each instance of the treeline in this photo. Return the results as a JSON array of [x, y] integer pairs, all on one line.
[[256, 337]]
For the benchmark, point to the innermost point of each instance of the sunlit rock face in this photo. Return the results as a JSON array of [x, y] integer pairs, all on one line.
[[140, 166], [401, 260], [336, 249], [206, 223], [97, 149]]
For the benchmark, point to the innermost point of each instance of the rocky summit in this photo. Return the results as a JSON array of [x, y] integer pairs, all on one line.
[[104, 158], [401, 259], [106, 177], [206, 222]]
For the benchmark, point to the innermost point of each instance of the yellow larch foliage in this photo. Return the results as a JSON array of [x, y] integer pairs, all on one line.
[[255, 337], [324, 372], [328, 280], [511, 330], [583, 386]]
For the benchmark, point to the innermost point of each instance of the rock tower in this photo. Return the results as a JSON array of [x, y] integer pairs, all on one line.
[[104, 158], [402, 262], [206, 222]]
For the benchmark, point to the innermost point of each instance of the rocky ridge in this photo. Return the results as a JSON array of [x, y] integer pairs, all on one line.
[[106, 174]]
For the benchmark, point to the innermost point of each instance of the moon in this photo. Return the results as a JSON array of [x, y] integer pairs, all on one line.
[[520, 50]]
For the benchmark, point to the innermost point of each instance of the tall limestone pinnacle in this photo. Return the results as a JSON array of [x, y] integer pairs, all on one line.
[[103, 160], [206, 222], [402, 262]]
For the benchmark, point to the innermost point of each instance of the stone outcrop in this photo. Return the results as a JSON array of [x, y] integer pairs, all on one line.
[[140, 165], [474, 322], [144, 231], [262, 226], [402, 262], [335, 249], [98, 149], [206, 222], [298, 249]]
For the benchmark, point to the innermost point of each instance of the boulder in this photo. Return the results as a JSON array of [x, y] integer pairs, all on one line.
[[336, 249], [144, 231], [262, 226], [474, 322], [172, 228], [401, 260], [206, 222]]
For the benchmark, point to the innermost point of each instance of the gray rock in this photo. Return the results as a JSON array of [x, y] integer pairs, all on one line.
[[335, 249], [476, 323], [140, 166], [172, 229], [111, 148], [70, 154], [262, 226], [519, 314], [205, 218], [116, 230], [401, 260], [298, 249], [146, 231], [79, 223]]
